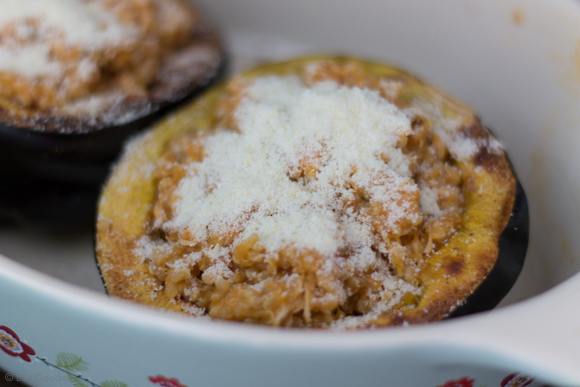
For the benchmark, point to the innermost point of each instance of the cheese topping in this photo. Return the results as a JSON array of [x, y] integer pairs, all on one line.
[[86, 24], [246, 182], [30, 61]]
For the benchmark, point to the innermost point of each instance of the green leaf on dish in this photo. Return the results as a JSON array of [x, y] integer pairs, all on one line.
[[76, 382], [113, 383], [71, 362]]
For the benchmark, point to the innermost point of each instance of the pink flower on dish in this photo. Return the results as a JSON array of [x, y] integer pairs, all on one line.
[[516, 380], [165, 382], [11, 344]]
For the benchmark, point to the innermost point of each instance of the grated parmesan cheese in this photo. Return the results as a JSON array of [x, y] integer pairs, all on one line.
[[84, 24], [29, 61], [460, 146], [244, 181], [428, 202]]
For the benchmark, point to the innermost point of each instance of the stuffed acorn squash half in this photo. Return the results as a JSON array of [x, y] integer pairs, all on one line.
[[320, 192], [77, 78]]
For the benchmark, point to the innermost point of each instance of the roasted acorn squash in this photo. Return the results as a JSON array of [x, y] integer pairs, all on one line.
[[55, 158], [143, 261]]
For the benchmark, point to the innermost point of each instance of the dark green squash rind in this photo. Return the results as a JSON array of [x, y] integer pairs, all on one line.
[[513, 244]]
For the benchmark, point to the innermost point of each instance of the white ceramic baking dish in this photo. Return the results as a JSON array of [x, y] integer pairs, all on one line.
[[517, 62]]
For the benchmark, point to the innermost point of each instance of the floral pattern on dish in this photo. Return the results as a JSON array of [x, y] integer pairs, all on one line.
[[516, 380], [463, 382], [72, 365], [165, 382], [12, 345]]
